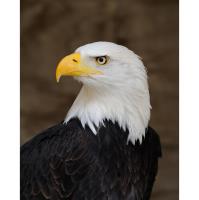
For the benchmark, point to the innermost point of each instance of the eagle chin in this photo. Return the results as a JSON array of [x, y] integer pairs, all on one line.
[[104, 149]]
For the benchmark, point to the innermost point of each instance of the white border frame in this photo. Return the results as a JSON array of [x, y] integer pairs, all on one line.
[[189, 99], [9, 100]]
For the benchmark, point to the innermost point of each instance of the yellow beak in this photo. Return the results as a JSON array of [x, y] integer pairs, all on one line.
[[72, 65]]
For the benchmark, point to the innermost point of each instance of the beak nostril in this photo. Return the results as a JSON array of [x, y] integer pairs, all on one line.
[[74, 60]]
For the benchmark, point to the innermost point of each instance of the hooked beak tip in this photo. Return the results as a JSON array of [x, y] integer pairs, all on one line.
[[58, 78]]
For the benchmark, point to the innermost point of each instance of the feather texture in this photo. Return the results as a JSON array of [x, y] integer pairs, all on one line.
[[70, 162]]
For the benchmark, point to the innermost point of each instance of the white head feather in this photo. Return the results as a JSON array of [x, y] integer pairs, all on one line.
[[121, 94]]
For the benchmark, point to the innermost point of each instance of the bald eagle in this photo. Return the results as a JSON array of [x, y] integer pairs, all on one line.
[[104, 149]]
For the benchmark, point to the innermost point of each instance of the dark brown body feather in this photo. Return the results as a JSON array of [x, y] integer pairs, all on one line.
[[70, 162]]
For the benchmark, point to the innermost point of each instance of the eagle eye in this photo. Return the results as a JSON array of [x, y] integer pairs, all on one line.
[[101, 60]]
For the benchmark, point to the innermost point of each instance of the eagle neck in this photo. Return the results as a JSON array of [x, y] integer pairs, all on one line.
[[130, 109]]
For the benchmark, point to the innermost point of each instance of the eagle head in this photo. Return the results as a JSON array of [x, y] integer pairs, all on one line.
[[115, 87]]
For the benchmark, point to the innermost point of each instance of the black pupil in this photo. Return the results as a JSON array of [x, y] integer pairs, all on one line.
[[101, 59]]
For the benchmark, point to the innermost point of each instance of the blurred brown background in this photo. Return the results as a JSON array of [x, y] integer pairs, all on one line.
[[52, 29]]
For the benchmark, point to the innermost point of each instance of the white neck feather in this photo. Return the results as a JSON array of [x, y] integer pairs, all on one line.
[[128, 106]]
